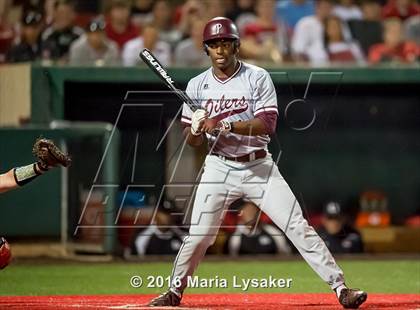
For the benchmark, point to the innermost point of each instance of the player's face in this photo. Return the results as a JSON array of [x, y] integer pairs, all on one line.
[[222, 53]]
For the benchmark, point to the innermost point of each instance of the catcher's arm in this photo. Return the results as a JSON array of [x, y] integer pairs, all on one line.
[[48, 156], [7, 181]]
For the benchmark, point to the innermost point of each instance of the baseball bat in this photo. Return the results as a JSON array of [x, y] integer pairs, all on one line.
[[154, 65]]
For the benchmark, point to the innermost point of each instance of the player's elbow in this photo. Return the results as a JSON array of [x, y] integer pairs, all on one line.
[[270, 130], [269, 122]]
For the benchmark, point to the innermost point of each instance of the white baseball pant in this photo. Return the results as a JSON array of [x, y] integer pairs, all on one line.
[[260, 181]]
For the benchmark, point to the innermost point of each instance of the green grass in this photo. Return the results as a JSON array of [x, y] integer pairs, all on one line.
[[388, 276]]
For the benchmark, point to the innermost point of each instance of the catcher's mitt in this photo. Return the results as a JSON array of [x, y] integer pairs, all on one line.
[[5, 253], [49, 155]]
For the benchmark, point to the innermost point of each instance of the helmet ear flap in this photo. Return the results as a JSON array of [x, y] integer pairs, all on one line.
[[206, 48]]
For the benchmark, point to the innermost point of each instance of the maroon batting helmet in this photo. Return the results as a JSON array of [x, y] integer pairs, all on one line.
[[220, 28]]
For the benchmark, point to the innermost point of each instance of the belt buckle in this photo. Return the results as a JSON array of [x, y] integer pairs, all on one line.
[[252, 156]]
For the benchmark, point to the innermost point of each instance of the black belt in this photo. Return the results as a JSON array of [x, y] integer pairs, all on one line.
[[245, 158]]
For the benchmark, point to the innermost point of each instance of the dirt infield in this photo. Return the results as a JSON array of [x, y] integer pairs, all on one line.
[[209, 301]]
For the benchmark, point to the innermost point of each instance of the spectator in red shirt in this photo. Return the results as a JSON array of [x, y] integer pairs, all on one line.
[[119, 28], [265, 39], [394, 47], [402, 9]]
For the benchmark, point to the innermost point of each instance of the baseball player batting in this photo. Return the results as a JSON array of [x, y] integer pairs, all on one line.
[[237, 111]]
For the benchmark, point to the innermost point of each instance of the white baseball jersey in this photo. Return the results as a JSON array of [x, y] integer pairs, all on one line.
[[242, 96]]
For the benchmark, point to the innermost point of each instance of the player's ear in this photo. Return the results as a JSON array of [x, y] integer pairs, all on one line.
[[237, 45]]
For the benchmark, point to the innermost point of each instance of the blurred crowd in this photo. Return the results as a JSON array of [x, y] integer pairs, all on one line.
[[112, 32]]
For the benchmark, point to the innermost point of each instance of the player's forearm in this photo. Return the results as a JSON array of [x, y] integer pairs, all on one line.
[[7, 181], [20, 176], [253, 127], [192, 139]]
